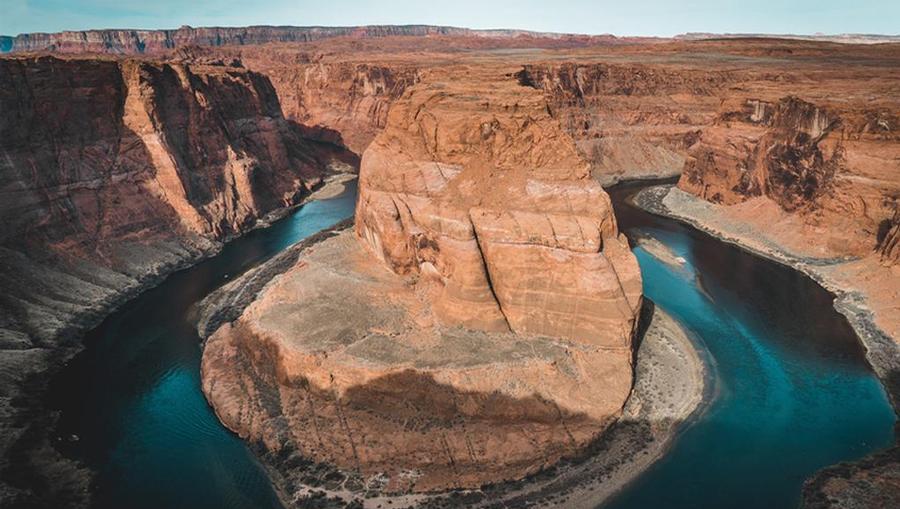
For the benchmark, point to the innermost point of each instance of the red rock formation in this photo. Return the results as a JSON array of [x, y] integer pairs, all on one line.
[[630, 121], [130, 42], [97, 151], [473, 192], [832, 165], [113, 174], [889, 239], [498, 342], [340, 102], [423, 207]]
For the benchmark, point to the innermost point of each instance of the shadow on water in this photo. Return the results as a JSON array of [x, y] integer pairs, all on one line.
[[794, 391], [131, 403]]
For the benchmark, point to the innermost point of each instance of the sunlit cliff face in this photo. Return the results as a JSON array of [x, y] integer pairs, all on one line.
[[486, 288]]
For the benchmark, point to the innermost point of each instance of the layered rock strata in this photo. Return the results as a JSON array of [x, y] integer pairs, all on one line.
[[132, 42], [102, 159], [797, 137], [833, 167], [476, 327], [345, 103], [113, 174], [630, 121]]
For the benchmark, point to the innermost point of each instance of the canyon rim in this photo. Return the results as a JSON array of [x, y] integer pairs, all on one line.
[[479, 327]]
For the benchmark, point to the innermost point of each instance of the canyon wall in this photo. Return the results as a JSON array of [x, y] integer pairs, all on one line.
[[813, 149], [630, 120], [889, 239], [113, 174], [342, 102], [475, 327], [424, 205], [831, 166], [156, 41], [103, 156], [332, 99], [486, 298], [132, 42]]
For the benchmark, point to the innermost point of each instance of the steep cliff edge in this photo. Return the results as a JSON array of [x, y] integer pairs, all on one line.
[[832, 167], [889, 239], [342, 102], [113, 174], [630, 121], [476, 328], [809, 174], [132, 42]]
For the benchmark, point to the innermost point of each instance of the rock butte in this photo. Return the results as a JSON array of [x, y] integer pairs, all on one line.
[[478, 325], [117, 170]]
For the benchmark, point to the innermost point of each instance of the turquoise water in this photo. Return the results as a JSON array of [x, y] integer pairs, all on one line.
[[792, 392], [133, 396]]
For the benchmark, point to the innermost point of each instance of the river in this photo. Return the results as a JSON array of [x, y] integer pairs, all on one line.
[[792, 390], [133, 397]]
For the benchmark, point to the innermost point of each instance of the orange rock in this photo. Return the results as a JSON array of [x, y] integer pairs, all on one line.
[[484, 331], [831, 165], [114, 170]]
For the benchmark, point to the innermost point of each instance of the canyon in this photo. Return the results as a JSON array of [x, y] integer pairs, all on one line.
[[109, 185], [463, 363], [483, 157]]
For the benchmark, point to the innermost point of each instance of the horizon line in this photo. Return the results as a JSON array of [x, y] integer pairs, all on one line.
[[524, 30]]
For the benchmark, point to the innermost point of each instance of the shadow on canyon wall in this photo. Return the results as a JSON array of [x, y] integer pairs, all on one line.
[[396, 405], [81, 232]]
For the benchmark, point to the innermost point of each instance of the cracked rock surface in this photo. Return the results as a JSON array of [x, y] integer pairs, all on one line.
[[476, 325]]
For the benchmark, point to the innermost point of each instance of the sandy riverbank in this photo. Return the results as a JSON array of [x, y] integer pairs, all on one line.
[[332, 187], [866, 292], [671, 380], [671, 387]]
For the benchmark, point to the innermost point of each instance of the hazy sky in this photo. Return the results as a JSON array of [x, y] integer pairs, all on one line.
[[621, 17]]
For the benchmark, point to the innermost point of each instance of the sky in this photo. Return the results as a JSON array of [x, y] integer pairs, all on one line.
[[619, 17]]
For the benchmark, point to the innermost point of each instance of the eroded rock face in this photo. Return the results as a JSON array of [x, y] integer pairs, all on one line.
[[131, 42], [102, 157], [889, 239], [345, 103], [155, 41], [782, 153], [112, 175], [833, 166], [481, 193], [475, 327], [630, 121]]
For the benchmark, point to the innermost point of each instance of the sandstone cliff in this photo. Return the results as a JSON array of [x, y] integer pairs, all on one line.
[[477, 328], [130, 42], [832, 166], [101, 158], [156, 41], [112, 174], [889, 239], [340, 102], [630, 120]]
